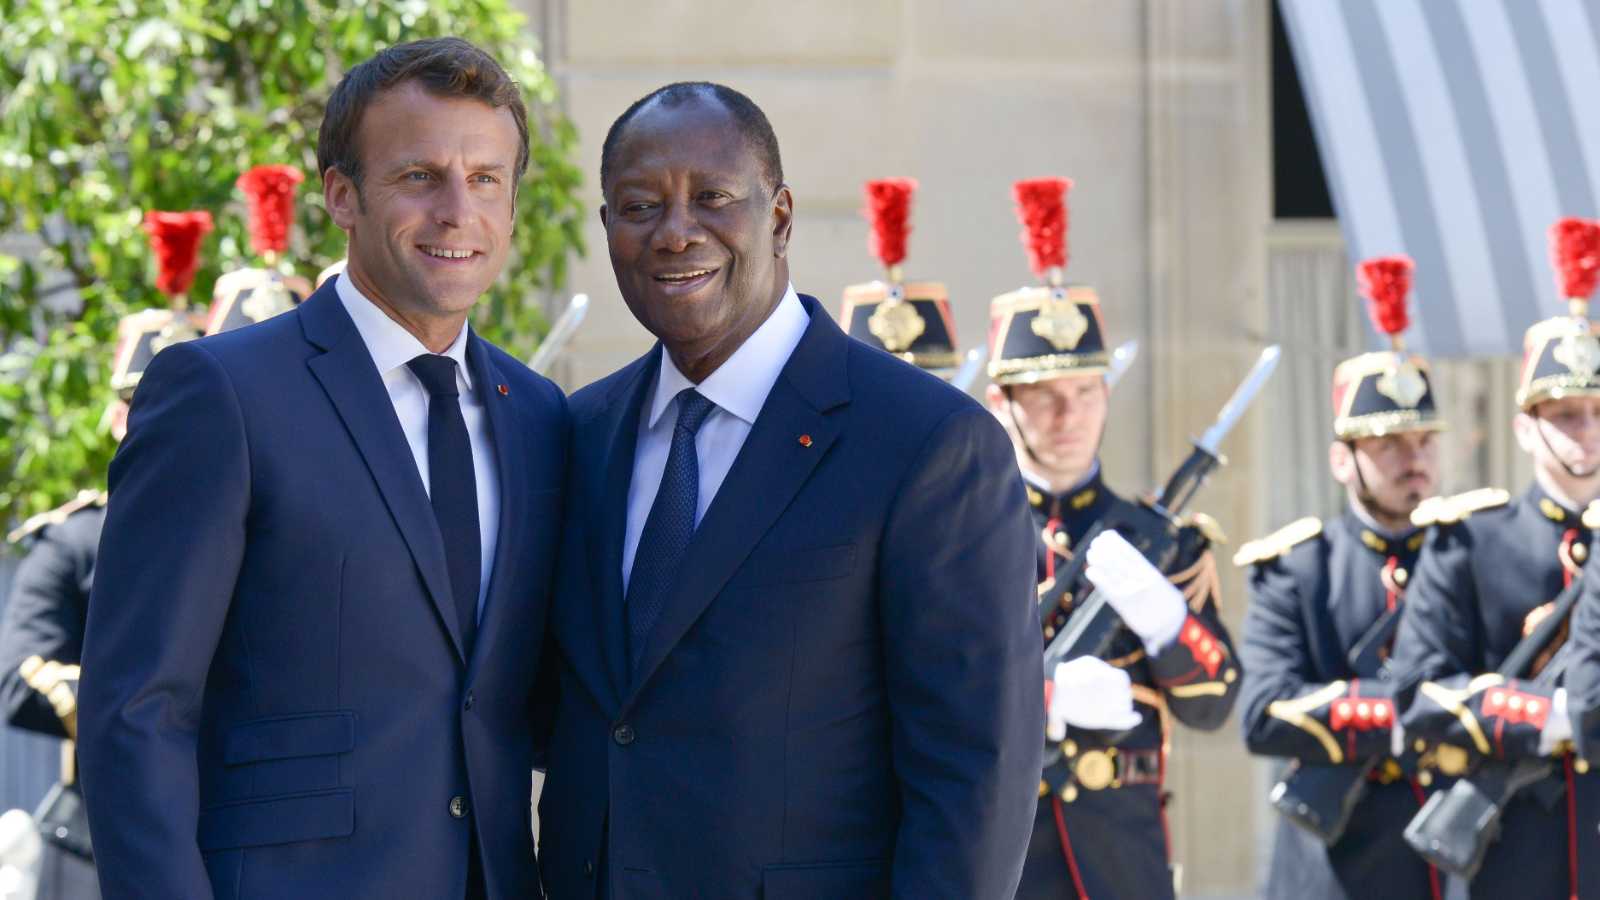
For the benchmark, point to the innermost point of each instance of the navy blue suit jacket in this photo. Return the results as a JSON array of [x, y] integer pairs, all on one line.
[[275, 702], [842, 697]]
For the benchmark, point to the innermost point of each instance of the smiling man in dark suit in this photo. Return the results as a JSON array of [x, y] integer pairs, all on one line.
[[800, 657], [327, 556]]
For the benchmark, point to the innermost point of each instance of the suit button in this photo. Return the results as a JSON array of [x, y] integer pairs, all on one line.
[[468, 705], [623, 734], [588, 868], [458, 807]]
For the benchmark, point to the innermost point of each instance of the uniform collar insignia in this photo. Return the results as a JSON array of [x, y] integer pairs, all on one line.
[[1373, 541], [1553, 510]]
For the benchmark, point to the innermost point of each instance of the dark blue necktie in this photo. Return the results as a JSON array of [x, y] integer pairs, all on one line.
[[669, 526], [453, 488]]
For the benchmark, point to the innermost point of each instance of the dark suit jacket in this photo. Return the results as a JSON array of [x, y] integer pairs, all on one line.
[[843, 694], [275, 701]]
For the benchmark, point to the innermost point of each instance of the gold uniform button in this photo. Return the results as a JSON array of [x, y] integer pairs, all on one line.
[[1400, 576], [458, 807], [1579, 552], [1095, 770], [1581, 766]]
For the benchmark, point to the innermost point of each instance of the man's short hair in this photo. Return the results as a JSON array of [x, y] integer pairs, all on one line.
[[747, 116], [444, 67]]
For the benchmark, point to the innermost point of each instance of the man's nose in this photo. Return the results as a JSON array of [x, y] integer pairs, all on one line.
[[454, 207], [677, 230]]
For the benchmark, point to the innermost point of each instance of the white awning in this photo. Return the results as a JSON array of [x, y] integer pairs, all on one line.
[[1456, 131]]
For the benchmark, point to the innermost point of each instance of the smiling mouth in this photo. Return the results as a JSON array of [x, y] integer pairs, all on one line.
[[446, 252], [690, 276]]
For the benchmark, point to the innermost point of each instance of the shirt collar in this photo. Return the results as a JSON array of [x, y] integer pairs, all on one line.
[[390, 344], [741, 384]]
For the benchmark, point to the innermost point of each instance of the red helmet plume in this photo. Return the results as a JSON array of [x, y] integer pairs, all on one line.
[[269, 191], [1385, 281], [175, 239], [1042, 208]]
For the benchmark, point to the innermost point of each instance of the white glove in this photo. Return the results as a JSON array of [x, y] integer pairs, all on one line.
[[1143, 597], [1557, 726], [1089, 692]]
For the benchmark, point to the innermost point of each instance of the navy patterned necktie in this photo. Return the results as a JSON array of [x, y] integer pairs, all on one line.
[[668, 527], [453, 488]]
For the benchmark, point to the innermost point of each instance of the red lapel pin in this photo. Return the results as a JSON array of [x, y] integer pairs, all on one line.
[[504, 391], [805, 440]]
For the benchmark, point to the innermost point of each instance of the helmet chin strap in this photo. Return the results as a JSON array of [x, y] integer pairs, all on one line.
[[1575, 473], [1016, 425]]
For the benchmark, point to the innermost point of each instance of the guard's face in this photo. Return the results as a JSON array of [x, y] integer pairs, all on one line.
[[430, 228], [696, 235], [1399, 470], [1060, 420], [1563, 435]]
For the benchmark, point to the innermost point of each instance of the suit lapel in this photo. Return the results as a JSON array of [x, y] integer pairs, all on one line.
[[511, 461], [772, 466], [619, 438], [347, 374]]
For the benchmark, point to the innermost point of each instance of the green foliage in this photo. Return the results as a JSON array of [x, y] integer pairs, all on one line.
[[112, 107]]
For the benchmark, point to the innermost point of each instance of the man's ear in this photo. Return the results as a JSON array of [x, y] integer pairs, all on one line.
[[782, 220], [605, 217], [1341, 462], [341, 196], [1523, 426], [995, 396]]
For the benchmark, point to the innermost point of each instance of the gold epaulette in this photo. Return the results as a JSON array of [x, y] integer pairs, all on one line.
[[84, 500], [1279, 542], [1449, 510], [1208, 527]]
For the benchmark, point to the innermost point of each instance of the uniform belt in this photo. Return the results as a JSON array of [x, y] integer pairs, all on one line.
[[1098, 770]]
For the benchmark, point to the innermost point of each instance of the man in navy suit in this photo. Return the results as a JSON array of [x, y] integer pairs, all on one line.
[[313, 635], [795, 615]]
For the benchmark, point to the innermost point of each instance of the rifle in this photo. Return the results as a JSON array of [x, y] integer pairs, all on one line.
[[1154, 532], [1455, 827], [1321, 798]]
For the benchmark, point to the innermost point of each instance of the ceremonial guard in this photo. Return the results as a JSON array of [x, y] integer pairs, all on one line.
[[1493, 569], [908, 319], [1100, 829], [1324, 603], [41, 637]]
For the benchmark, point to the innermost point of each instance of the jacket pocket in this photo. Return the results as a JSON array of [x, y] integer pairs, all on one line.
[[289, 737], [779, 566], [278, 820], [858, 880]]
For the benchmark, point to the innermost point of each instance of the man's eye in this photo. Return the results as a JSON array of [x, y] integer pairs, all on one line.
[[418, 176], [712, 196], [486, 179], [632, 208]]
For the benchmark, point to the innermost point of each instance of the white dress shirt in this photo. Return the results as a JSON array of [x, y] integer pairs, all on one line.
[[739, 388], [392, 347]]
